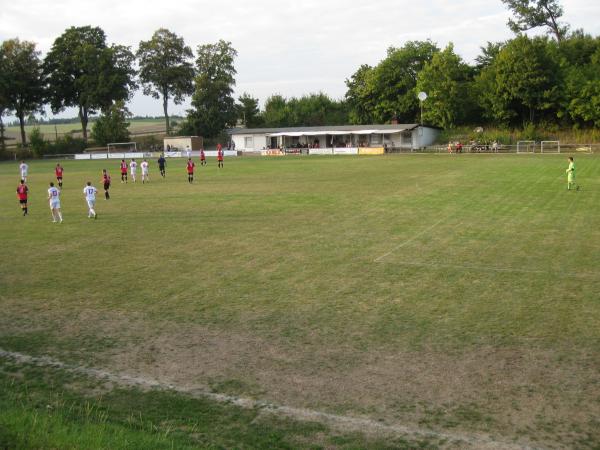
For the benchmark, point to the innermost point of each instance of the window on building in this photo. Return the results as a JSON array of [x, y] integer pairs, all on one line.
[[375, 139], [249, 142], [407, 137]]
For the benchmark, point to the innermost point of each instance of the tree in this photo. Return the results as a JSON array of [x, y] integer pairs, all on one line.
[[395, 79], [530, 14], [388, 90], [584, 89], [317, 110], [85, 73], [212, 102], [277, 113], [23, 80], [360, 96], [581, 65], [308, 110], [3, 96], [446, 79], [165, 69], [248, 111], [488, 55], [523, 83], [112, 125]]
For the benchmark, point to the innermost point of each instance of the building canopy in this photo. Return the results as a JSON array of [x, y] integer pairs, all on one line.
[[332, 132]]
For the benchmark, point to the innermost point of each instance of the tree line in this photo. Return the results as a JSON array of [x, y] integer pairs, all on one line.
[[552, 79], [83, 71]]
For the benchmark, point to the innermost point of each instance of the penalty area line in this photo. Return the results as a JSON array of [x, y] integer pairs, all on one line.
[[340, 422], [408, 241]]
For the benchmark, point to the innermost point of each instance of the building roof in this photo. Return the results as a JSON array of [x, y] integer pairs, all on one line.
[[319, 130]]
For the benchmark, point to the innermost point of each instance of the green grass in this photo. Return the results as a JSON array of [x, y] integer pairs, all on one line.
[[41, 413], [136, 126], [446, 292]]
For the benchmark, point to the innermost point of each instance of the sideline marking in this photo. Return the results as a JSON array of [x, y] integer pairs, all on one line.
[[300, 414], [408, 241]]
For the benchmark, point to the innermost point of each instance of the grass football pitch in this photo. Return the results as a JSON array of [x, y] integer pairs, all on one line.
[[453, 299]]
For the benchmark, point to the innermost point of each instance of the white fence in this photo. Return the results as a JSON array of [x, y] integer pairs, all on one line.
[[523, 147], [129, 155], [345, 151], [126, 155], [550, 147], [320, 151]]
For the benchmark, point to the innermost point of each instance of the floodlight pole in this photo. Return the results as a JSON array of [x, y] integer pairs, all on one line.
[[422, 96]]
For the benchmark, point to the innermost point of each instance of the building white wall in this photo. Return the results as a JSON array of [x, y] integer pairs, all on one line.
[[429, 137], [259, 141], [424, 136]]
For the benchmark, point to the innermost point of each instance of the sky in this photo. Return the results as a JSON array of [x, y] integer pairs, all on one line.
[[284, 47]]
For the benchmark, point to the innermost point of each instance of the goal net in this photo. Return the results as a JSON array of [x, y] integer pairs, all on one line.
[[550, 146], [526, 147], [121, 147]]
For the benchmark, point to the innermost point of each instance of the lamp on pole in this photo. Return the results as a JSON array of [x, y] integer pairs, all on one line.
[[422, 96]]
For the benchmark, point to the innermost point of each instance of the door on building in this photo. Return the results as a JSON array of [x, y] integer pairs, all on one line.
[[273, 143]]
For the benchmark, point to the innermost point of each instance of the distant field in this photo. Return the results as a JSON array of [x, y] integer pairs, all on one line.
[[49, 131], [451, 295]]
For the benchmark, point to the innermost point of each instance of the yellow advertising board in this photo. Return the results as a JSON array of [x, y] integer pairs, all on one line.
[[273, 152], [371, 151]]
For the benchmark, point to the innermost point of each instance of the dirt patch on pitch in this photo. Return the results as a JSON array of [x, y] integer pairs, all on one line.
[[527, 394]]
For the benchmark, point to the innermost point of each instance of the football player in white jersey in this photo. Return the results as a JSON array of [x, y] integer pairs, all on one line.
[[90, 196], [54, 199], [133, 169], [144, 166], [24, 168]]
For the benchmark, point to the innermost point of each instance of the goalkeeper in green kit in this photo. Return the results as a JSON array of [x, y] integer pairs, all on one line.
[[571, 175]]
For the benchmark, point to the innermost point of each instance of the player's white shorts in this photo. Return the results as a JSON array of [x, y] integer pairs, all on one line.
[[23, 174], [144, 173], [91, 203], [55, 204]]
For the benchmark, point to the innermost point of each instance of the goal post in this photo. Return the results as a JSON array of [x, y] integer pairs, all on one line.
[[526, 147], [121, 147], [550, 146]]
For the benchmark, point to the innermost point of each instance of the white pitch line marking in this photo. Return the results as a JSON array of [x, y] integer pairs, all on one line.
[[301, 414], [498, 269], [408, 241]]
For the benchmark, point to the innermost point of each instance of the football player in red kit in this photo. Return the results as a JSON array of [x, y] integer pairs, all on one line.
[[59, 174], [190, 170], [106, 183], [123, 167], [219, 156], [22, 191]]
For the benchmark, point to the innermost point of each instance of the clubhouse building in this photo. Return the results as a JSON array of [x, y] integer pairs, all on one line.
[[389, 137]]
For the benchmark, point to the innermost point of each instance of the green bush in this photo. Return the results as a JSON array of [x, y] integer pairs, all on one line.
[[66, 144], [112, 125], [37, 144]]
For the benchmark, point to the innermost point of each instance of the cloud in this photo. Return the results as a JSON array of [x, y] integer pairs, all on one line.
[[285, 47]]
